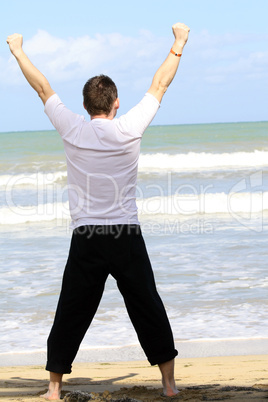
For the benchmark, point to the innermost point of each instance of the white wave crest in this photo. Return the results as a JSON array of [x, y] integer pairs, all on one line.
[[182, 205], [218, 203], [202, 161], [36, 213], [38, 179], [154, 163]]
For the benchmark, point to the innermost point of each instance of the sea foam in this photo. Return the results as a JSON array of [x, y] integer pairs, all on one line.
[[173, 205], [157, 162], [202, 161], [38, 179]]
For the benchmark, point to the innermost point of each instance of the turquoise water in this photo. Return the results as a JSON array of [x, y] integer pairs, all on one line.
[[202, 195], [223, 137], [227, 137]]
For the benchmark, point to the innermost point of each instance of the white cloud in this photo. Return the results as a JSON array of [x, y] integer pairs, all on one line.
[[253, 65], [215, 59], [43, 43], [227, 58], [67, 59], [205, 40]]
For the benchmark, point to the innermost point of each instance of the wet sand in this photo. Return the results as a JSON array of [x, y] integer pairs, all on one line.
[[236, 378]]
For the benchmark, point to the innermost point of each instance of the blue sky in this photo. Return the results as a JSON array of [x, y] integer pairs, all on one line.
[[223, 75]]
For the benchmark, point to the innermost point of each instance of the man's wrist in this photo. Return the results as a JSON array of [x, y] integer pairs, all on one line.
[[18, 53], [177, 47]]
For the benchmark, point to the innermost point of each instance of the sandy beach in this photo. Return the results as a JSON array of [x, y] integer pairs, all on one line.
[[238, 378]]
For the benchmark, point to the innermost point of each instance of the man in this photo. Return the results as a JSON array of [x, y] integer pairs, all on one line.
[[102, 159]]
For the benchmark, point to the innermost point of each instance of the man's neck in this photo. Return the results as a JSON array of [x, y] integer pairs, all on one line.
[[102, 116], [109, 116]]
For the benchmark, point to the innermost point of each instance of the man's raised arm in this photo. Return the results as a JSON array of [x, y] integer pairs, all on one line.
[[35, 78], [166, 72]]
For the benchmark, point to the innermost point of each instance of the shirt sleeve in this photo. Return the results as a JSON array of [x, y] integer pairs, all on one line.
[[140, 116], [67, 123]]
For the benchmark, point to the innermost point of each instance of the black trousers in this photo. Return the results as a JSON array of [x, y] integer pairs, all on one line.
[[96, 252]]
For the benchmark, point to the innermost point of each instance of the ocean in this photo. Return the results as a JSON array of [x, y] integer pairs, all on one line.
[[202, 196]]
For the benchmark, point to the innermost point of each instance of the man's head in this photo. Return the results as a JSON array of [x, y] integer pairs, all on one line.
[[100, 95]]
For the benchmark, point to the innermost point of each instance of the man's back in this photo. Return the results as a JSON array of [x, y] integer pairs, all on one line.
[[102, 161]]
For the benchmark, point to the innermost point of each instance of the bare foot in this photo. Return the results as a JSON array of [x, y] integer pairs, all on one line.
[[51, 396], [54, 387], [170, 391], [168, 381]]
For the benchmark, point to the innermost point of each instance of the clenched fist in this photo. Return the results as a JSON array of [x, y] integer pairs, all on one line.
[[15, 43], [181, 32]]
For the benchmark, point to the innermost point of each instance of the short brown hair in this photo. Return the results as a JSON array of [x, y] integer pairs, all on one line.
[[99, 94]]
